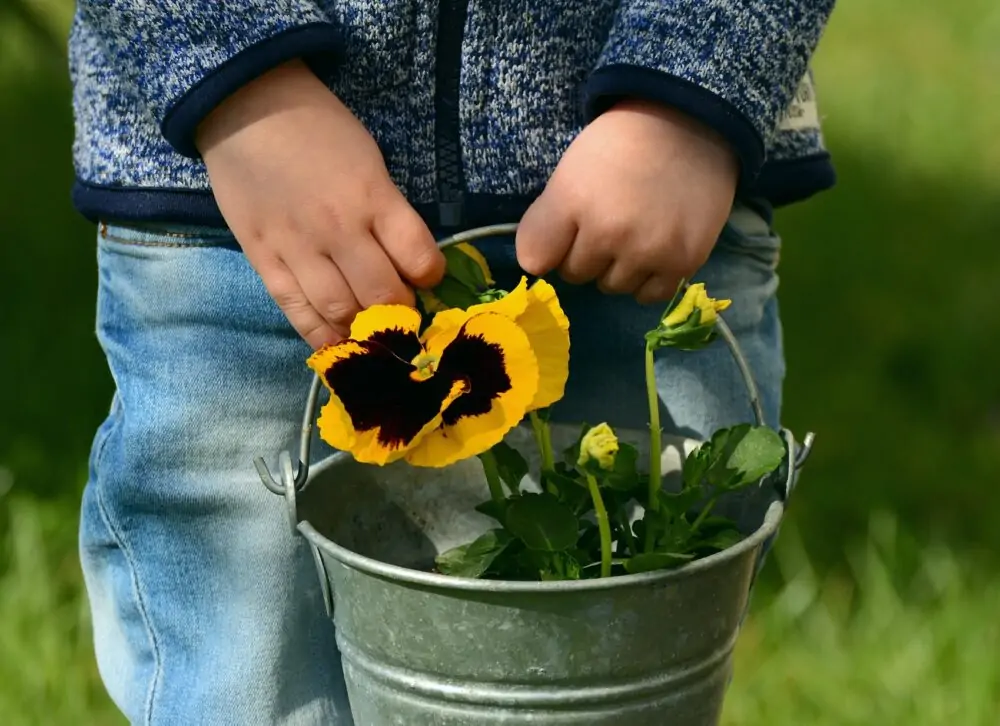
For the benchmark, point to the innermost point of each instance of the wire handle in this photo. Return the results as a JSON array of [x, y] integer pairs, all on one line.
[[293, 481]]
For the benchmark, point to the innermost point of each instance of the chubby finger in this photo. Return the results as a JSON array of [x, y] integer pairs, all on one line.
[[410, 245], [622, 277], [370, 273], [287, 293], [545, 236], [328, 291], [588, 259], [657, 288]]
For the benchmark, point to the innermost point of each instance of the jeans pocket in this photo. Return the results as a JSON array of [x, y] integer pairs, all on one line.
[[148, 234], [749, 234]]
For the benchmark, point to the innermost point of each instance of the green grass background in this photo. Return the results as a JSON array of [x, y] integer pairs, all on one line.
[[882, 602]]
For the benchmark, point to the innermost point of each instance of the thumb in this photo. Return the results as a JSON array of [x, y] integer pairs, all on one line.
[[544, 236]]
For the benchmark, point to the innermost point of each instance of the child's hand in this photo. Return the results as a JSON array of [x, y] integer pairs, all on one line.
[[636, 203], [304, 188]]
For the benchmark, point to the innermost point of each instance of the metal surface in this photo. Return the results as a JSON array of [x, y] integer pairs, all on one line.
[[423, 649], [420, 648]]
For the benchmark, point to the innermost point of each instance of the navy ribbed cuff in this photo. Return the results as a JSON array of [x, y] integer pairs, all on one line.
[[317, 43], [614, 83]]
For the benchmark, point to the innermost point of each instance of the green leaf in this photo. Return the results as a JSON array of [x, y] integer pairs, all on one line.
[[698, 462], [511, 465], [649, 561], [616, 500], [454, 294], [475, 558], [570, 490], [590, 540], [720, 540], [491, 295], [712, 525], [542, 522], [464, 269], [560, 566], [734, 457], [692, 335], [753, 452], [548, 566], [571, 454], [658, 523], [570, 472], [508, 565], [624, 476], [681, 502], [583, 557], [492, 509]]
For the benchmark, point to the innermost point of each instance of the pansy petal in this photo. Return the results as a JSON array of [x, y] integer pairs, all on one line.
[[494, 355], [387, 408], [323, 359], [547, 328], [445, 323], [538, 312], [512, 304], [379, 318], [685, 306], [335, 427], [430, 301], [370, 446]]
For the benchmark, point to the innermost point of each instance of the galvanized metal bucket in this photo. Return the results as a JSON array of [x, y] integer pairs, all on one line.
[[423, 649]]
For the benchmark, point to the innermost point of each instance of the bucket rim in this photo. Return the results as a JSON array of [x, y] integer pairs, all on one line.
[[384, 570]]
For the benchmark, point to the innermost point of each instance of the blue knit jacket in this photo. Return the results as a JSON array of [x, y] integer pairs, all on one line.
[[471, 101]]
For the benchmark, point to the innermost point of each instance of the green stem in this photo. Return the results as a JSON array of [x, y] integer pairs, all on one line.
[[492, 472], [655, 444], [704, 513], [543, 437], [603, 525]]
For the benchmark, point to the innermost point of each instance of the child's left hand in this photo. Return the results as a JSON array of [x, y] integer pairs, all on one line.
[[636, 203]]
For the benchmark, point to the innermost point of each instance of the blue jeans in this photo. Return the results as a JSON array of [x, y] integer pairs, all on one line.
[[206, 608]]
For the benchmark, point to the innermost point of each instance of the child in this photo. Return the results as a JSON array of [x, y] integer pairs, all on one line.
[[260, 171]]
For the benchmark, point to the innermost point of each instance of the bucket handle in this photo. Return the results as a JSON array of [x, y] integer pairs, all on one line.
[[293, 481]]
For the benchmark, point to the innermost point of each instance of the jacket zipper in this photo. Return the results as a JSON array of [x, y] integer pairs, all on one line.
[[451, 183]]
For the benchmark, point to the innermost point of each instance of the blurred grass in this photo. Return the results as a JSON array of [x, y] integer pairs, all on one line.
[[47, 675], [871, 648], [892, 333], [888, 285]]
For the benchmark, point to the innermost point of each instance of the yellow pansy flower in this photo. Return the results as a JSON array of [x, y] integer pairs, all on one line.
[[695, 298], [537, 311], [433, 399], [599, 444]]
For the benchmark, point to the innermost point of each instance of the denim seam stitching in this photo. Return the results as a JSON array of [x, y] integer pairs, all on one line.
[[113, 417], [163, 231], [171, 245], [194, 238], [140, 600]]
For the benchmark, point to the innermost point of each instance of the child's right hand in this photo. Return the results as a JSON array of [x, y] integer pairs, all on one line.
[[304, 188]]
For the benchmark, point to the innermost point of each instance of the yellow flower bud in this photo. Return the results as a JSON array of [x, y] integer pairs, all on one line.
[[695, 298], [599, 444]]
